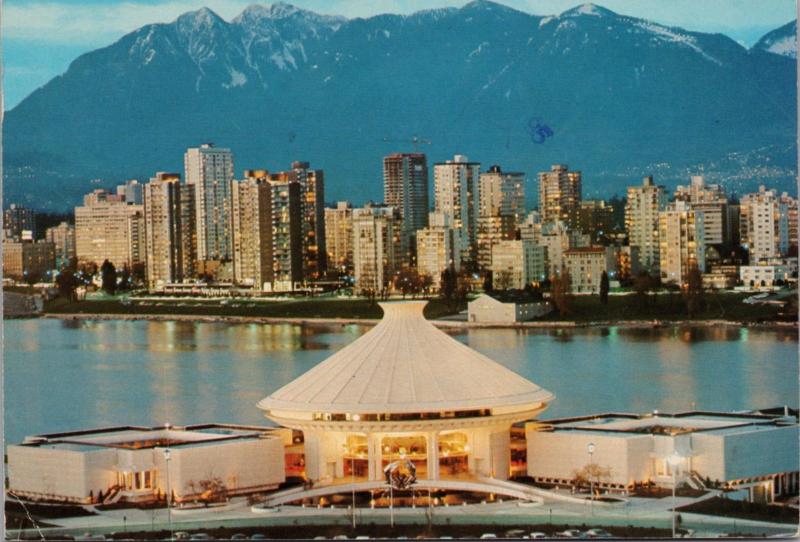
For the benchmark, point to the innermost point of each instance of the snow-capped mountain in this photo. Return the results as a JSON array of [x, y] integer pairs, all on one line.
[[278, 83], [781, 41]]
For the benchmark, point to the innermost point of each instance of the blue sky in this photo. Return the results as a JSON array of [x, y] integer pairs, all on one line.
[[41, 37]]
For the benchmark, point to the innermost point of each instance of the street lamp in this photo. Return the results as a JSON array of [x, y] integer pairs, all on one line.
[[674, 460], [167, 455], [590, 448], [356, 418]]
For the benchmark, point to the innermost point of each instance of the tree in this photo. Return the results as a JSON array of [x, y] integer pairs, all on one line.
[[535, 292], [591, 474], [408, 281], [88, 268], [604, 288], [210, 490], [125, 282], [67, 283], [488, 286], [462, 288], [72, 264], [694, 295], [108, 275], [448, 286], [425, 282], [32, 277], [560, 292], [642, 285]]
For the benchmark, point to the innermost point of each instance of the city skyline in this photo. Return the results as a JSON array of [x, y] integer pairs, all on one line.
[[275, 230]]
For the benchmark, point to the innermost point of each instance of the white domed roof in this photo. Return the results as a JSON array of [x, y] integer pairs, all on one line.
[[405, 364]]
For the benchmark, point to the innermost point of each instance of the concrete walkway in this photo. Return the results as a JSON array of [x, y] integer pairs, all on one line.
[[238, 514], [482, 485]]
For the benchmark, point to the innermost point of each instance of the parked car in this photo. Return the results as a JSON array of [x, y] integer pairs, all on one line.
[[569, 533], [487, 536], [598, 533], [201, 536], [536, 535], [239, 536], [514, 533]]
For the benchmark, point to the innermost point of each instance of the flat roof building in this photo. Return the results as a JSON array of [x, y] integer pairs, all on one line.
[[560, 194], [498, 308], [457, 196], [139, 464], [108, 228], [745, 451], [642, 210], [339, 236], [405, 187], [586, 266], [515, 264], [376, 247], [23, 259], [63, 239]]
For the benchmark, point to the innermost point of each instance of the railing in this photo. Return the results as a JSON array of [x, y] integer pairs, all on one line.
[[114, 495], [695, 480]]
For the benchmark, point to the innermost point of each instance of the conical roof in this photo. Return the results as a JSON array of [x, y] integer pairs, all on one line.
[[405, 364]]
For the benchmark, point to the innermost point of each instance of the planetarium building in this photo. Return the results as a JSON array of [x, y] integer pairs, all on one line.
[[406, 390]]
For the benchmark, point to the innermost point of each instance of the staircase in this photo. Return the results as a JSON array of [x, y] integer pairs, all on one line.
[[695, 481], [113, 496]]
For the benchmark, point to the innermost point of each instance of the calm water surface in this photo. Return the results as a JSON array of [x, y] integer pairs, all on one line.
[[64, 375]]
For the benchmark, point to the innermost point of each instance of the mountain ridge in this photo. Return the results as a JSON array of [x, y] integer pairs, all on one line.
[[781, 41], [279, 83]]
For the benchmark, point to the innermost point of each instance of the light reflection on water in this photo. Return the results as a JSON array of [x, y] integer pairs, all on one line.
[[64, 375]]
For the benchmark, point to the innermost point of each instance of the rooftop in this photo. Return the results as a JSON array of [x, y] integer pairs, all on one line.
[[514, 296], [671, 424], [405, 365], [586, 250], [137, 438]]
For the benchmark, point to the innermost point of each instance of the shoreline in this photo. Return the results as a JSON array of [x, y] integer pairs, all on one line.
[[558, 324]]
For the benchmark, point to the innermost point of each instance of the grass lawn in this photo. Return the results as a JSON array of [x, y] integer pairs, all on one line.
[[717, 506], [727, 306], [305, 308]]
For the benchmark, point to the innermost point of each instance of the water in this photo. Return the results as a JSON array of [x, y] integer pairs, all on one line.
[[65, 375]]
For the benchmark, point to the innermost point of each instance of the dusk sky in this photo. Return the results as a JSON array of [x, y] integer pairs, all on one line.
[[41, 38]]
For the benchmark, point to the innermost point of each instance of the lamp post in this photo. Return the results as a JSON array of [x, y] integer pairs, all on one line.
[[491, 457], [674, 460], [353, 486], [391, 504], [590, 448], [356, 418], [169, 494]]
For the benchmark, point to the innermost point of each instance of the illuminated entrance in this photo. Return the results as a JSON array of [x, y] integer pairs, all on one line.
[[453, 458]]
